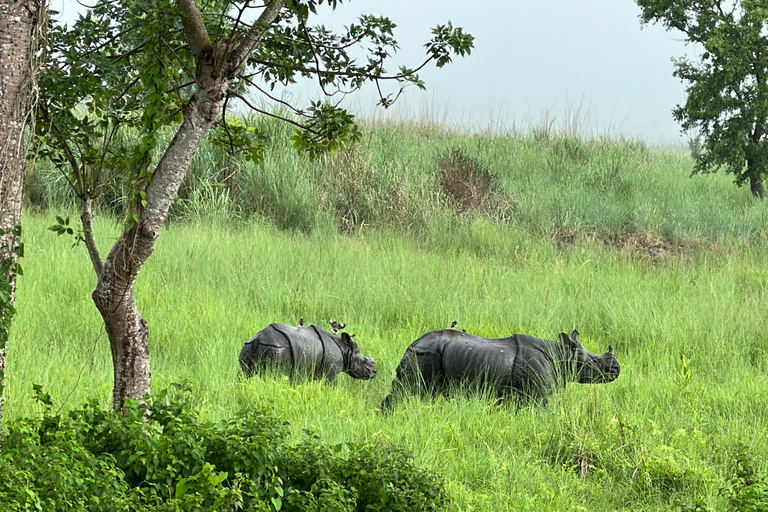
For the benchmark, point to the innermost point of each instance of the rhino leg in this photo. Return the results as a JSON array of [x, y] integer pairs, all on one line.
[[388, 404], [330, 377], [532, 384], [408, 379], [522, 400], [246, 359]]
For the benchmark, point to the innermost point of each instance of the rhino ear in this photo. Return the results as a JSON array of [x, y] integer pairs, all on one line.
[[610, 349], [575, 335], [564, 338], [347, 340]]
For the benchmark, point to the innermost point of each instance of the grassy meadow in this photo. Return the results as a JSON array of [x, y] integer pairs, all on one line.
[[610, 237]]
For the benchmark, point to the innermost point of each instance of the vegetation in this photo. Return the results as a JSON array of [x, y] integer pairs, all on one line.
[[95, 460], [546, 184], [726, 83], [114, 83], [601, 235]]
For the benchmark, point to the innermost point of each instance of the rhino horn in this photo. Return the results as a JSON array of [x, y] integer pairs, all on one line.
[[610, 349]]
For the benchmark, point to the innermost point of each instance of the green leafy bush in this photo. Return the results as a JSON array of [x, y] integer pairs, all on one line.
[[159, 456], [748, 487]]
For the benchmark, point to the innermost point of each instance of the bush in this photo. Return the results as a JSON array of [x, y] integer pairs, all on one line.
[[159, 456], [748, 486]]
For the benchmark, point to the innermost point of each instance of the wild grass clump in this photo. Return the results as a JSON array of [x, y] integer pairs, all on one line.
[[647, 462], [406, 177], [688, 329], [469, 187], [360, 190], [160, 456], [465, 182]]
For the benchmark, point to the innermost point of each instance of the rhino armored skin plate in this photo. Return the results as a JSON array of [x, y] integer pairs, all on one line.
[[308, 351], [525, 368]]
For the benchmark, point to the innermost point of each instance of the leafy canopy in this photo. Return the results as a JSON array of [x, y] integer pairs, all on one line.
[[727, 93], [125, 68]]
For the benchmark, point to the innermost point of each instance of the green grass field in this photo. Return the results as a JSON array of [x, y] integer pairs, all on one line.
[[610, 238]]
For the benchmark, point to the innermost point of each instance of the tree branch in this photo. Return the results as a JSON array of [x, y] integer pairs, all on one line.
[[86, 217], [194, 27], [348, 74], [239, 56], [268, 95], [270, 114]]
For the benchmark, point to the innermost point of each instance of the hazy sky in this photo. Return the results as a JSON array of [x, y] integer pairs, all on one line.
[[556, 58]]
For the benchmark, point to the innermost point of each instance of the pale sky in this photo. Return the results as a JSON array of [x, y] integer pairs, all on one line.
[[558, 59]]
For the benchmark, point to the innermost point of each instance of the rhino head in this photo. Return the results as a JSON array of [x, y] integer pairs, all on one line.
[[589, 368], [356, 365]]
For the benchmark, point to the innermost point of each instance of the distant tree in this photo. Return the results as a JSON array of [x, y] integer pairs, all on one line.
[[19, 29], [727, 91], [142, 66]]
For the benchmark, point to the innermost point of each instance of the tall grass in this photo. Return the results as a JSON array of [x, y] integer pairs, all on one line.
[[611, 237], [663, 434], [547, 182]]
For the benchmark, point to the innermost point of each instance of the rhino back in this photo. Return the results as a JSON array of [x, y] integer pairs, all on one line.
[[270, 345], [448, 356], [309, 351], [481, 360]]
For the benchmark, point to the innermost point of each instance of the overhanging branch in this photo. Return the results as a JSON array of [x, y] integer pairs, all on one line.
[[239, 56]]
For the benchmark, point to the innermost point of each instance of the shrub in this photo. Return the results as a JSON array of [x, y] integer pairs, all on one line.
[[159, 456], [748, 487], [465, 181]]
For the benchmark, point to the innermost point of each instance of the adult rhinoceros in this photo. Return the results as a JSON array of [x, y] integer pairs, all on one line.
[[308, 351], [528, 368]]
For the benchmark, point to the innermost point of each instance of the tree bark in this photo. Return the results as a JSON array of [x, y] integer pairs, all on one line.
[[127, 330], [18, 39], [216, 65], [755, 179]]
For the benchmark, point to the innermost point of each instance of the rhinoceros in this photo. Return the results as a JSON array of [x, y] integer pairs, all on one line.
[[527, 368], [309, 351]]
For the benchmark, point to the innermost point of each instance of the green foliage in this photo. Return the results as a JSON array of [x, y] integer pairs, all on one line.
[[111, 72], [114, 73], [748, 487], [703, 302], [240, 139], [329, 129], [448, 39], [169, 460], [727, 94]]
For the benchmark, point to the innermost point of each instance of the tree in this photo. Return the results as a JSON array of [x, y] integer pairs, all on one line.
[[120, 78], [18, 41], [727, 93]]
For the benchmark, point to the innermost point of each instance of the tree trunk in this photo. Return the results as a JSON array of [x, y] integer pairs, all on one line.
[[18, 38], [127, 330], [215, 67], [756, 186]]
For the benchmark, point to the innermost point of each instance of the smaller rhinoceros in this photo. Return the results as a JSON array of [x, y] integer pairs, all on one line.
[[310, 352], [528, 368]]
